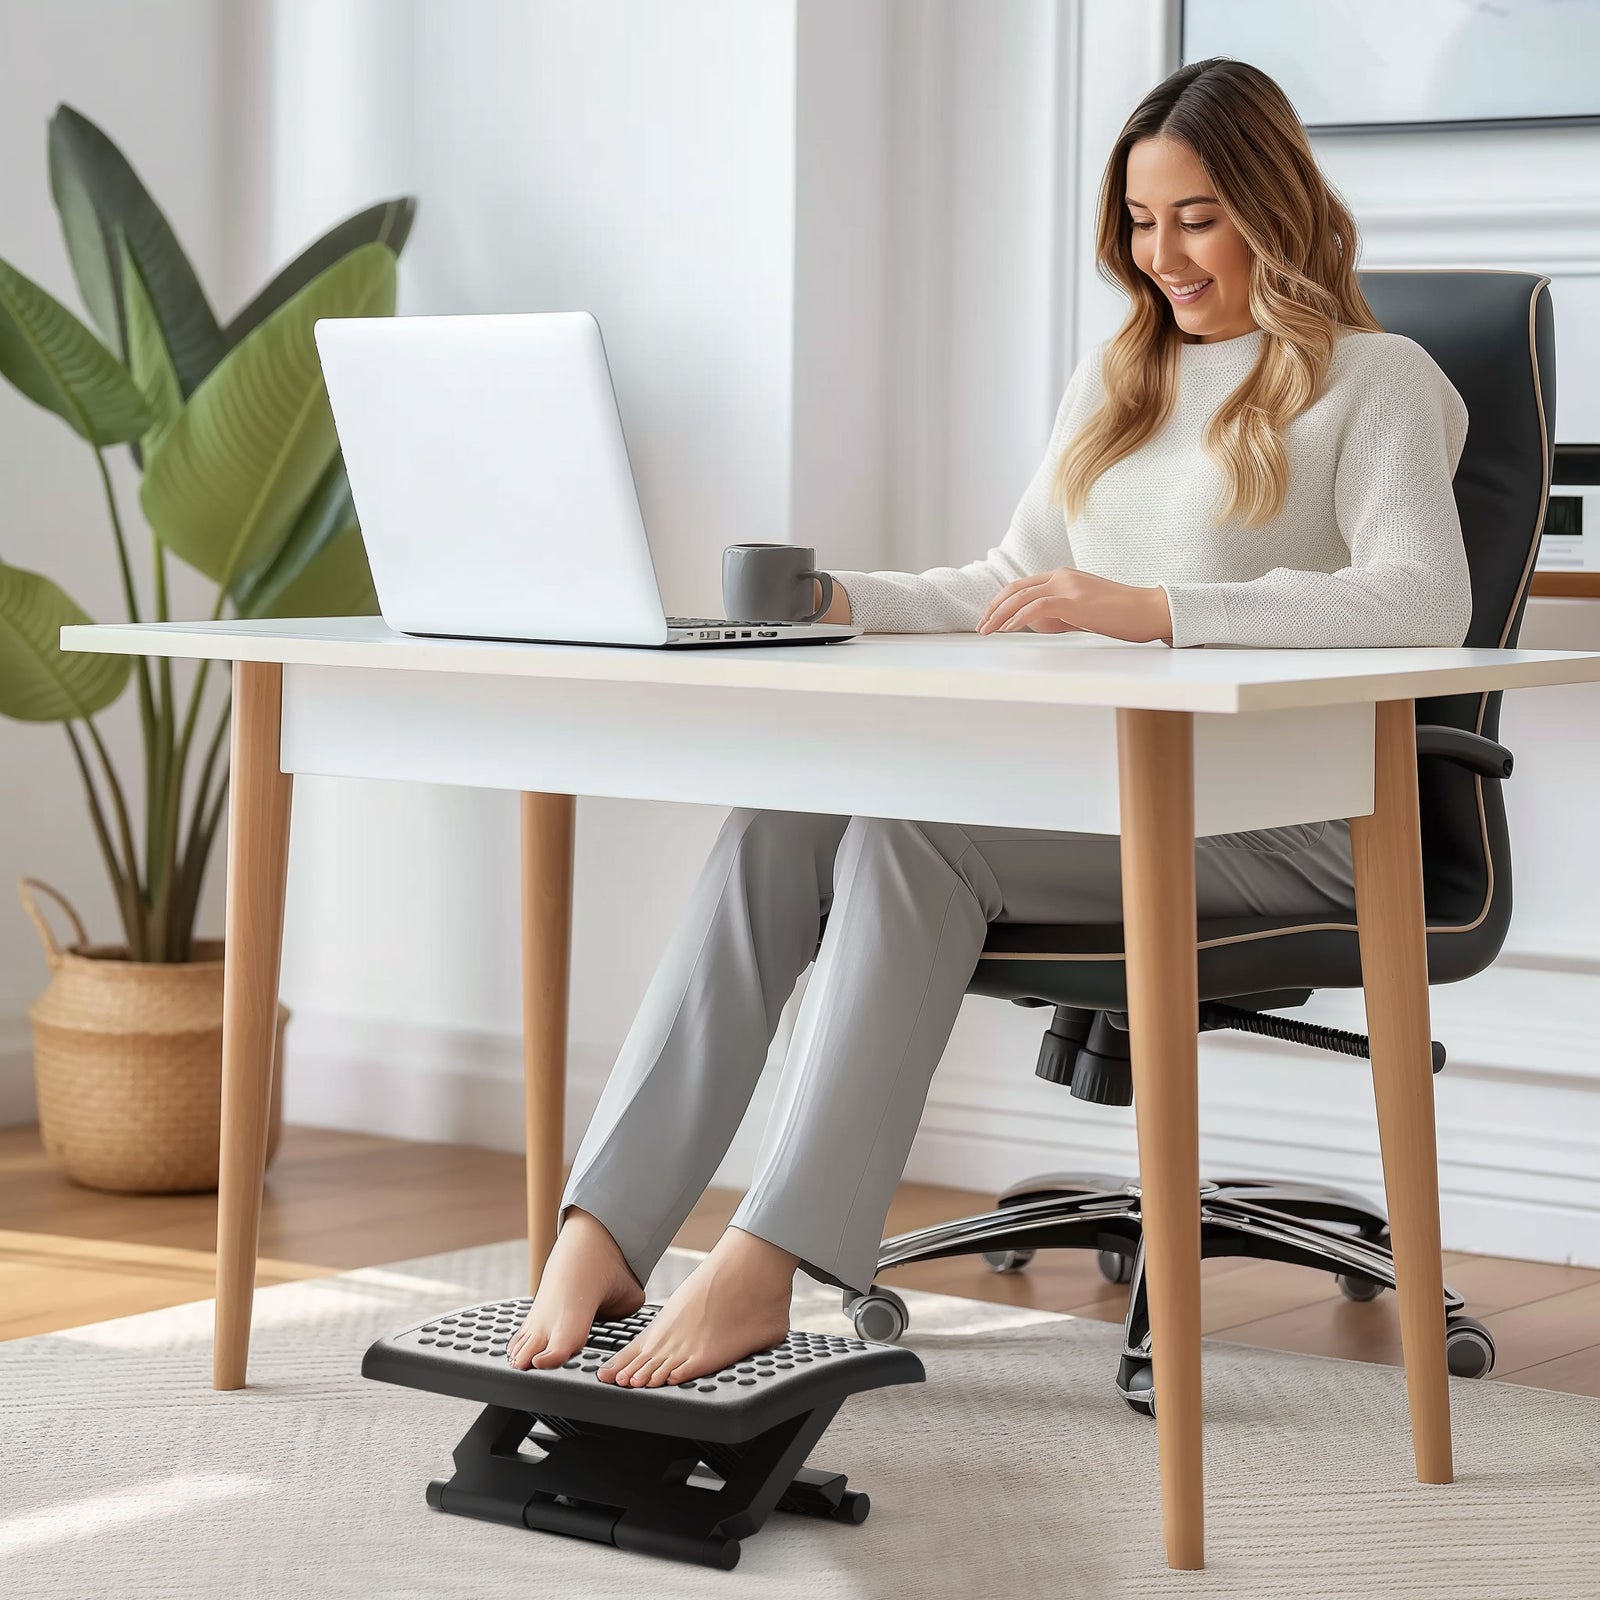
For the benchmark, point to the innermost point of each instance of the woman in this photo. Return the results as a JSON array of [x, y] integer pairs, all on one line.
[[1251, 460]]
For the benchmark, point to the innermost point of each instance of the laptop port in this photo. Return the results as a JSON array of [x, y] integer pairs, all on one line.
[[766, 633], [745, 634]]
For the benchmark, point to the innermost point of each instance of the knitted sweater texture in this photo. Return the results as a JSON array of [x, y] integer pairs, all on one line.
[[1365, 551]]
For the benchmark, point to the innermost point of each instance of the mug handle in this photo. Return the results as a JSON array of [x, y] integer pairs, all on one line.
[[827, 594]]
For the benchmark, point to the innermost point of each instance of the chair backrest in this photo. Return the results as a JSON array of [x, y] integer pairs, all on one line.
[[1493, 335]]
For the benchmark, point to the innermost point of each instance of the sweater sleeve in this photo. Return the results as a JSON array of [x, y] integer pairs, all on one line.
[[952, 599], [1407, 582]]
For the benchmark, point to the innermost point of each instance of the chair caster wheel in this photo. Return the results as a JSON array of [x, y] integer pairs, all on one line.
[[879, 1315], [1469, 1348], [1355, 1286], [1114, 1266], [1140, 1392], [1007, 1260]]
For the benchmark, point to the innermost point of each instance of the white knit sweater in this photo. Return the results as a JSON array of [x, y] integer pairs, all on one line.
[[1366, 549]]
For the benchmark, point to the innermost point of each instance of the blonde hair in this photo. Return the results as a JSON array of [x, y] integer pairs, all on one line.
[[1303, 286]]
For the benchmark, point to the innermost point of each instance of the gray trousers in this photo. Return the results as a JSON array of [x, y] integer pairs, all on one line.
[[908, 906]]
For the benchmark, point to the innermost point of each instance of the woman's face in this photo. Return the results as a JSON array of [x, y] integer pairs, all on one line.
[[1182, 238]]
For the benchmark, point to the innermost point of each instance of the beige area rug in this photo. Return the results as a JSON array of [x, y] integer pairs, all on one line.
[[1014, 1471]]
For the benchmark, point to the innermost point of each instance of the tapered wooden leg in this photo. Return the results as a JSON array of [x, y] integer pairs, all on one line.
[[547, 838], [258, 861], [1387, 852], [1155, 764]]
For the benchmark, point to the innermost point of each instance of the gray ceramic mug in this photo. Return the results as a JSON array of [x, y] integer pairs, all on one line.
[[772, 583]]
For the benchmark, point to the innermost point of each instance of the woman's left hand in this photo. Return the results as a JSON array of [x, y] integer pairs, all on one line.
[[1069, 600]]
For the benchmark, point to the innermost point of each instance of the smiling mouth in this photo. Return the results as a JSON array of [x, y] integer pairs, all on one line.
[[1194, 293]]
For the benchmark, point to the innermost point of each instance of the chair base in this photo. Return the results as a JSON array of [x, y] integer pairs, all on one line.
[[1311, 1225]]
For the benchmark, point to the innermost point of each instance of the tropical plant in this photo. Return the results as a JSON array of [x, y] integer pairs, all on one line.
[[242, 480]]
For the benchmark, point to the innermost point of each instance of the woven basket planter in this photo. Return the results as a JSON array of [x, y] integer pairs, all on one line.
[[127, 1061]]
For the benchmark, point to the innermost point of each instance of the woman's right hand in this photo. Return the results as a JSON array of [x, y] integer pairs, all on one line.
[[1070, 600]]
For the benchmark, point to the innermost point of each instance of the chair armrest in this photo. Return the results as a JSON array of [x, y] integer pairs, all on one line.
[[1469, 750]]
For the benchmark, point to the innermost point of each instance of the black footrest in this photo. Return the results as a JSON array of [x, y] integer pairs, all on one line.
[[685, 1470]]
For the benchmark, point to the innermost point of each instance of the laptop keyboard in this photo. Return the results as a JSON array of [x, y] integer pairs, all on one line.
[[723, 622]]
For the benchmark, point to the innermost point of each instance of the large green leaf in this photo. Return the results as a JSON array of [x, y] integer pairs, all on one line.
[[329, 510], [337, 582], [54, 360], [388, 222], [39, 681], [99, 194], [230, 476], [149, 360]]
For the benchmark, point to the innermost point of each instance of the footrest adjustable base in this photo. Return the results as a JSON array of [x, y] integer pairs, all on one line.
[[655, 1493], [684, 1470]]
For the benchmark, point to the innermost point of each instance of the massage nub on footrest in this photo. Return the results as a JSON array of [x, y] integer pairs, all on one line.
[[685, 1470]]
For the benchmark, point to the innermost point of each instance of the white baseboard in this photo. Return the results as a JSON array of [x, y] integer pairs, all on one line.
[[456, 1086], [409, 1081], [1517, 1171], [1523, 1187], [1518, 1103], [1517, 1112]]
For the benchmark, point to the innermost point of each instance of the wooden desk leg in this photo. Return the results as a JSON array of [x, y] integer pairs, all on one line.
[[1155, 765], [1386, 850], [258, 862], [547, 838]]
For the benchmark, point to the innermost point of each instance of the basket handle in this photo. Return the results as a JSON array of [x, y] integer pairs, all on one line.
[[52, 951]]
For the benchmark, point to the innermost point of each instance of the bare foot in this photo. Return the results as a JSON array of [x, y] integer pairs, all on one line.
[[733, 1304], [585, 1279]]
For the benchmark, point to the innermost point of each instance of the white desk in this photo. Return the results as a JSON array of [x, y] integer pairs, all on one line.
[[1065, 731]]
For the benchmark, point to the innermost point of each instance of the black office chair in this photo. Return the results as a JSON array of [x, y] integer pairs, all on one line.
[[1492, 333]]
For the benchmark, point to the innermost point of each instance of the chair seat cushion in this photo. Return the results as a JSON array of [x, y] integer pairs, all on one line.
[[1083, 964]]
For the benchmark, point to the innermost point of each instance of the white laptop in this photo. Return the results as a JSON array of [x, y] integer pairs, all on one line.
[[489, 471]]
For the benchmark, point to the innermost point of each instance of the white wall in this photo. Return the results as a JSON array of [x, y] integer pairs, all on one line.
[[840, 252], [638, 161], [981, 210], [839, 399], [823, 295], [113, 63]]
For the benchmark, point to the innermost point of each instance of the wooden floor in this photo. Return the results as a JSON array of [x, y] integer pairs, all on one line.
[[338, 1200]]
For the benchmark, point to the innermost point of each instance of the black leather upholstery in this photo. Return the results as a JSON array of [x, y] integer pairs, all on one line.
[[1493, 335]]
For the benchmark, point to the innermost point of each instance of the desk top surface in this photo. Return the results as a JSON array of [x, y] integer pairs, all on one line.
[[1047, 669]]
